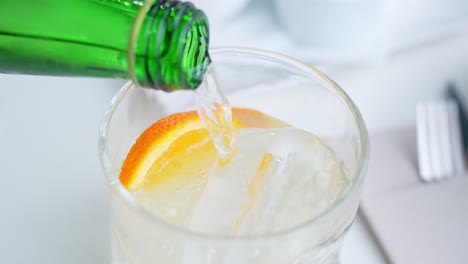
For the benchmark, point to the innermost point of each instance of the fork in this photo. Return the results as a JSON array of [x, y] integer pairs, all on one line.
[[440, 145]]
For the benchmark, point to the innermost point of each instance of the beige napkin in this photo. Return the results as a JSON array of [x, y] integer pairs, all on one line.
[[414, 222]]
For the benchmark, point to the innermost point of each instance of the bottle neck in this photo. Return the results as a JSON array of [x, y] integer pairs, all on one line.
[[168, 46]]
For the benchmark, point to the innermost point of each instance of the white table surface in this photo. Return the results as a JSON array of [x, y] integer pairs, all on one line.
[[53, 201]]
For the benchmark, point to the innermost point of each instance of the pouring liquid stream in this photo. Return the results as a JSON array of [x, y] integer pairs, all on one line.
[[215, 113]]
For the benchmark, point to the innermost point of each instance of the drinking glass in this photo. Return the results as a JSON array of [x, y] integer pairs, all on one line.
[[274, 84]]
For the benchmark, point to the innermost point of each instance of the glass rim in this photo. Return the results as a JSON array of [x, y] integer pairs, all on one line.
[[116, 186]]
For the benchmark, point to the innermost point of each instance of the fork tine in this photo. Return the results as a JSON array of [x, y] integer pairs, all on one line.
[[445, 146], [456, 138], [435, 149], [425, 170]]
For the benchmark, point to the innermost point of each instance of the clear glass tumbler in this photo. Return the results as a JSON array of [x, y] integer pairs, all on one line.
[[269, 82]]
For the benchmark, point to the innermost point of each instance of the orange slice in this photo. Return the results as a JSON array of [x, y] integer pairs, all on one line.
[[178, 147]]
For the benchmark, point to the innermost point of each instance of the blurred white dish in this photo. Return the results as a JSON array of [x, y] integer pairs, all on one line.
[[369, 30], [341, 27], [220, 11]]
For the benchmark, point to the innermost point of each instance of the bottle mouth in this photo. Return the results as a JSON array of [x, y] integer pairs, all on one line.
[[195, 50], [171, 51]]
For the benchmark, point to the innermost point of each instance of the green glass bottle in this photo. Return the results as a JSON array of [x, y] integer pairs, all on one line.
[[161, 44]]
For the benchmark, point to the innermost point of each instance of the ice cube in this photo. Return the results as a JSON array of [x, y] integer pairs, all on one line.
[[277, 179]]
